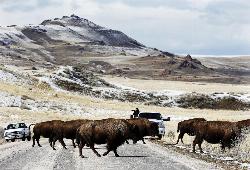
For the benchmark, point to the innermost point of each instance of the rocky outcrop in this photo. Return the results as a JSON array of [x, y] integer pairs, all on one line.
[[190, 63]]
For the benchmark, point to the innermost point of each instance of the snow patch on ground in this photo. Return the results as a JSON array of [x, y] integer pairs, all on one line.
[[7, 77], [8, 100], [245, 97]]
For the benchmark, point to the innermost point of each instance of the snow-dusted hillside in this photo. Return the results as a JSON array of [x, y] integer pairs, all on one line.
[[76, 29], [61, 38], [69, 29]]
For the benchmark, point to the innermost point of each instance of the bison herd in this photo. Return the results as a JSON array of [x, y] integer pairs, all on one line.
[[216, 132], [113, 132]]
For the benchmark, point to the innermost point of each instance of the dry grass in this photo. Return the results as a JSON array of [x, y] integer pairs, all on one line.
[[160, 85], [121, 108]]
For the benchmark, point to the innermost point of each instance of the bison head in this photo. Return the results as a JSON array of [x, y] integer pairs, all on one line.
[[154, 129], [133, 132]]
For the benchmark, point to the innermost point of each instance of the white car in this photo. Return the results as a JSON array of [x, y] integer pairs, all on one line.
[[156, 117], [17, 131]]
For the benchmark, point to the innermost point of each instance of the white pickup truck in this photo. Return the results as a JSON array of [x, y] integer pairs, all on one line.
[[156, 117], [17, 131]]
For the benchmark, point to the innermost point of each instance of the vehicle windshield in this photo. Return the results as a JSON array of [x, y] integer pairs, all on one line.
[[151, 116], [11, 126], [16, 126], [21, 125]]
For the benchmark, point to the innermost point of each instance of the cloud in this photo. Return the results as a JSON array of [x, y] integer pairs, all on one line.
[[29, 5], [180, 26]]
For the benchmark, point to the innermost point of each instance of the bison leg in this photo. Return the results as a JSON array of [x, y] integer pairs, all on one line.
[[198, 140], [181, 135], [36, 137], [37, 141], [223, 147], [111, 148], [92, 146], [80, 146], [53, 143], [199, 144], [50, 141], [74, 145], [108, 149], [33, 138], [62, 143], [194, 143], [106, 153], [134, 141], [115, 151]]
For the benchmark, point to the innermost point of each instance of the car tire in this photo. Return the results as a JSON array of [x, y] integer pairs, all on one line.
[[23, 139], [12, 140], [29, 138], [160, 137], [7, 140]]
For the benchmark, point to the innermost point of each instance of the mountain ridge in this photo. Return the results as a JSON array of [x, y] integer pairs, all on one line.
[[45, 42]]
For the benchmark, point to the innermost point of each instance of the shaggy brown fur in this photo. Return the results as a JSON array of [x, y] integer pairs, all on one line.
[[186, 126], [243, 124], [114, 132], [214, 132], [47, 130], [146, 128], [68, 130]]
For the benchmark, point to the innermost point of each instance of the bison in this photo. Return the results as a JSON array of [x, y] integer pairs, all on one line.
[[68, 130], [114, 132], [244, 127], [146, 128], [49, 130], [186, 127], [243, 124], [214, 132]]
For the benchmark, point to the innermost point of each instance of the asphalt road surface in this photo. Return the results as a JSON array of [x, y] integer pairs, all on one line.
[[21, 155]]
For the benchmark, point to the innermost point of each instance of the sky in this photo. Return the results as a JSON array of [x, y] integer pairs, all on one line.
[[205, 27]]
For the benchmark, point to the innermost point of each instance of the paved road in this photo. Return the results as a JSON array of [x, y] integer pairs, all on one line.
[[20, 155]]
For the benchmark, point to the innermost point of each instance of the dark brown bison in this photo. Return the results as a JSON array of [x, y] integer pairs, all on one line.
[[49, 130], [186, 126], [68, 130], [146, 128], [243, 124], [223, 132], [114, 132]]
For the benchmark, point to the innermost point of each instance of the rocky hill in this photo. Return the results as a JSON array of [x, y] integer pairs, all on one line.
[[63, 41], [75, 41]]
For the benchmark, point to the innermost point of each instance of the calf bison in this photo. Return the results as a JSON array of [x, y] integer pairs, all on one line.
[[68, 130], [146, 128], [214, 132], [114, 132], [186, 126], [49, 130]]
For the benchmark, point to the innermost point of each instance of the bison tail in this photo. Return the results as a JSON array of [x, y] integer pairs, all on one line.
[[178, 128]]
